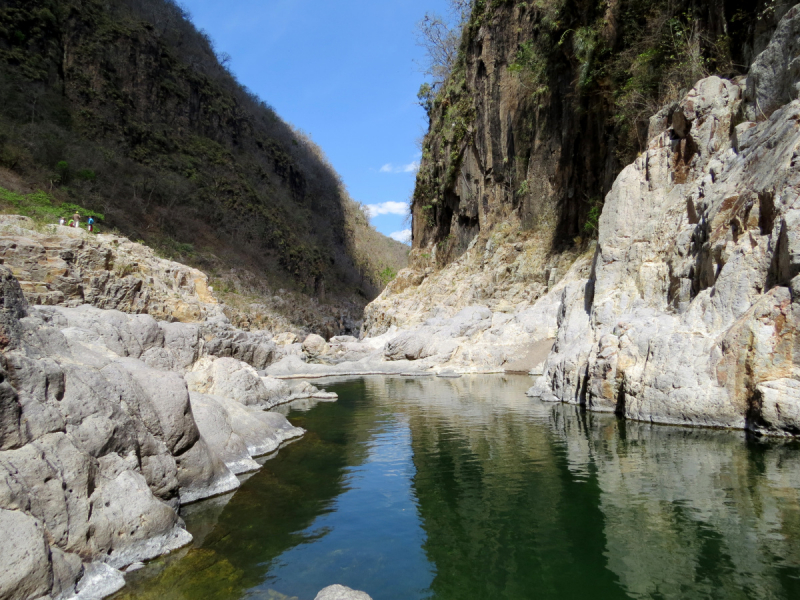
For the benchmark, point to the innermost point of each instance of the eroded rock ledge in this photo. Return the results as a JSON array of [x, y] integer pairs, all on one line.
[[108, 423]]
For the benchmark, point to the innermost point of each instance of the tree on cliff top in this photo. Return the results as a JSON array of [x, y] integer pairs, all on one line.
[[440, 36]]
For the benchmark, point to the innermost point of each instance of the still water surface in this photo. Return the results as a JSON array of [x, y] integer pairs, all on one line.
[[466, 489]]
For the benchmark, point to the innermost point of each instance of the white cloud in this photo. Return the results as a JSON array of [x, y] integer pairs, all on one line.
[[411, 167], [387, 208], [402, 236]]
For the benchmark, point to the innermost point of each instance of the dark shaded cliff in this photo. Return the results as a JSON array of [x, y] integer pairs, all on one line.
[[550, 99], [123, 107]]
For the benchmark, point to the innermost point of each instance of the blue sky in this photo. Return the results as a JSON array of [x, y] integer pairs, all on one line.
[[344, 73]]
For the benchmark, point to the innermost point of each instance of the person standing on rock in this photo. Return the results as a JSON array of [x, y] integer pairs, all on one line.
[[90, 224], [61, 221], [76, 218]]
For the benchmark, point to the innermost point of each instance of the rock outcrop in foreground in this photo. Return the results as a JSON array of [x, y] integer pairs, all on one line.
[[108, 423]]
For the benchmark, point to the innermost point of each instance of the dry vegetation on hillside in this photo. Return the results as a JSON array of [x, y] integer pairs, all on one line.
[[124, 108]]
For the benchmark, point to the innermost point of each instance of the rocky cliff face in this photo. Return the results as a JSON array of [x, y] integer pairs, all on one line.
[[685, 309], [548, 101], [533, 125], [690, 313]]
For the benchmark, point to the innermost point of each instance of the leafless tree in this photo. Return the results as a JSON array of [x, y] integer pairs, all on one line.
[[439, 36]]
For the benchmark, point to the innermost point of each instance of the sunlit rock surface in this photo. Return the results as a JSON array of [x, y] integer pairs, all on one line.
[[101, 440], [690, 315], [61, 265]]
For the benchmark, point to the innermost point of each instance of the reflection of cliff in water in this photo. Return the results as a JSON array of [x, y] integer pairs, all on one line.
[[699, 509], [519, 497]]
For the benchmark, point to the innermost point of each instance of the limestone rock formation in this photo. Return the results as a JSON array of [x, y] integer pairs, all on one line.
[[101, 440], [691, 312], [70, 267]]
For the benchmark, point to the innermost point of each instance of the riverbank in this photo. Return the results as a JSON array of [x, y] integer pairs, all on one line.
[[109, 423], [410, 488]]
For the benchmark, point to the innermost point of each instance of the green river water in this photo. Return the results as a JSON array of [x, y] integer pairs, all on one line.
[[464, 488]]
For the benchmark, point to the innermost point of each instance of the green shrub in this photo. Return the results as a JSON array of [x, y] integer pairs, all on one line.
[[86, 175], [41, 206], [530, 65], [63, 172], [591, 225], [387, 275]]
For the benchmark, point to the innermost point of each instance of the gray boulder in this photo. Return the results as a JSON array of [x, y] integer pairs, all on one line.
[[256, 348], [237, 380], [26, 572], [126, 335], [341, 592], [227, 377], [202, 474], [214, 422], [262, 432], [315, 345], [775, 75], [237, 432], [158, 394], [278, 391]]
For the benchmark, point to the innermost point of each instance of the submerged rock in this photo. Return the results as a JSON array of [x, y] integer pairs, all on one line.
[[341, 592]]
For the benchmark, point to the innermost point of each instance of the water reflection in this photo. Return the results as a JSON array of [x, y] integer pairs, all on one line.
[[523, 499], [465, 488]]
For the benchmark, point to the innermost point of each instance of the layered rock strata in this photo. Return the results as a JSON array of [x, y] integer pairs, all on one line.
[[108, 423], [59, 265]]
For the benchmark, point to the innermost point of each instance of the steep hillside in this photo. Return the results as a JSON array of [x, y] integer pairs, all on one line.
[[123, 107]]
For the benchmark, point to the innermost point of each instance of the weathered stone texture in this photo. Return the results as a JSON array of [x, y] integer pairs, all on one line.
[[66, 266], [100, 441], [690, 314]]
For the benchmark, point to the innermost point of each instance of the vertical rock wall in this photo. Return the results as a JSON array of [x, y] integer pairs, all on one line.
[[523, 145], [690, 314]]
